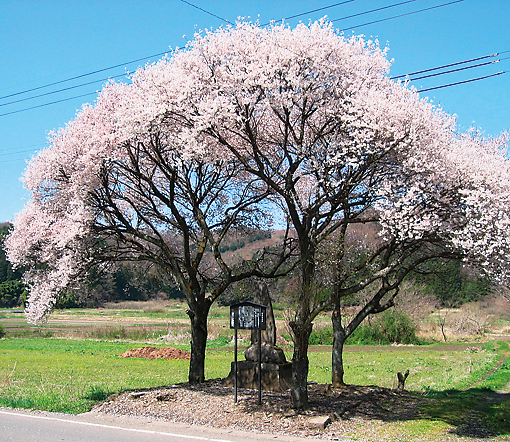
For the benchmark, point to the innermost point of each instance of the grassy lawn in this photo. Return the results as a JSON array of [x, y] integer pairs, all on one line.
[[432, 367], [72, 362], [71, 375]]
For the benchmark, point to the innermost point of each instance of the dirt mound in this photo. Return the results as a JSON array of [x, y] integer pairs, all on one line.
[[156, 353]]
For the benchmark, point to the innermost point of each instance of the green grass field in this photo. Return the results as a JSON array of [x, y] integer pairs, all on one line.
[[72, 362], [70, 375]]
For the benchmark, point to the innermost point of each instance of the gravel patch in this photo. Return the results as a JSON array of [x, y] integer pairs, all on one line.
[[333, 413]]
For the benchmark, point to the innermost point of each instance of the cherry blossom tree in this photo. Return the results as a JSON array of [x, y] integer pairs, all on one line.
[[118, 184], [314, 116], [302, 122], [349, 262]]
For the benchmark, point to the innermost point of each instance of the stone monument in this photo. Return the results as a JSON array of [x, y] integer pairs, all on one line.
[[276, 371]]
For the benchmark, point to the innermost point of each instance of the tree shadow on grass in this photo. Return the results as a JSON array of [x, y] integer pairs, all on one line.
[[476, 413]]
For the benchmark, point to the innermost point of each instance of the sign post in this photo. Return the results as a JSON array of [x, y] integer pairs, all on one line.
[[248, 316]]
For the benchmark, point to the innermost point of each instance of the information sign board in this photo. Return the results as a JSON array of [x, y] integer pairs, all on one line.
[[248, 316]]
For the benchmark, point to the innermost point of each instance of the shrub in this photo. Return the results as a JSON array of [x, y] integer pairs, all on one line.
[[396, 327], [322, 335], [2, 332], [387, 328]]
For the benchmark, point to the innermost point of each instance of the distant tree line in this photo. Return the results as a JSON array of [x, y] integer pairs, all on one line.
[[450, 282], [128, 282], [12, 290]]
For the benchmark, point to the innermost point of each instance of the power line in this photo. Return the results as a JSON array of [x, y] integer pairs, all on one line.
[[374, 10], [15, 153], [400, 15], [12, 161], [162, 53], [462, 82], [336, 4], [47, 104], [81, 76], [145, 58], [447, 65], [22, 147], [137, 60], [311, 12], [454, 70], [207, 12], [61, 90]]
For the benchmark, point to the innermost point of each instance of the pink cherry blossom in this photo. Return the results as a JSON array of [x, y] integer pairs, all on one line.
[[305, 118]]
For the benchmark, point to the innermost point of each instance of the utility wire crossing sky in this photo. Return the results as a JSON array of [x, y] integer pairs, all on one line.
[[449, 49]]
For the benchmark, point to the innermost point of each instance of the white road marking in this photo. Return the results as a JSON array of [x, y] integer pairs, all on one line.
[[90, 424]]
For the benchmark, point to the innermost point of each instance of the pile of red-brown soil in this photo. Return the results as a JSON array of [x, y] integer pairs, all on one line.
[[156, 353]]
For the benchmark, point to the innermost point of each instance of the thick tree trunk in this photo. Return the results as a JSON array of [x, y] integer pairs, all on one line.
[[198, 344], [302, 328], [299, 390], [339, 337]]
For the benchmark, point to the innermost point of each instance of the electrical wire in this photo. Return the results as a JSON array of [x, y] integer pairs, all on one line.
[[374, 10], [447, 65], [150, 56], [81, 76], [207, 12], [163, 53], [454, 70], [116, 66], [462, 82], [13, 150], [61, 90], [47, 104], [310, 12], [400, 15], [15, 153]]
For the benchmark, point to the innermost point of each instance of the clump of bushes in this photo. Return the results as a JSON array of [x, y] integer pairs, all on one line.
[[126, 333], [322, 335], [385, 328]]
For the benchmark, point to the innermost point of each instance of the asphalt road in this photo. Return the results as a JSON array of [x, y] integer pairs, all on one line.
[[27, 426]]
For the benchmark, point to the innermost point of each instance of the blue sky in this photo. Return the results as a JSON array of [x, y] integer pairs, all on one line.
[[49, 41]]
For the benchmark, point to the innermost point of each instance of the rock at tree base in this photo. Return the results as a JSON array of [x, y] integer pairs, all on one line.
[[276, 371], [275, 377], [270, 354]]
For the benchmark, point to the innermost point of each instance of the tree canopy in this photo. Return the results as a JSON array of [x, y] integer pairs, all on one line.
[[248, 123]]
